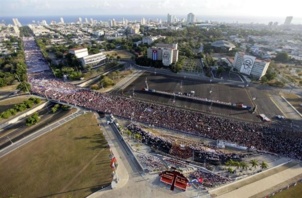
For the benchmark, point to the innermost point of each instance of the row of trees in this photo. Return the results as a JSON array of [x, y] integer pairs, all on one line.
[[27, 104], [244, 165], [13, 67]]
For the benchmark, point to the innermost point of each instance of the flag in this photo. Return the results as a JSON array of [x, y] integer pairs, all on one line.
[[200, 180]]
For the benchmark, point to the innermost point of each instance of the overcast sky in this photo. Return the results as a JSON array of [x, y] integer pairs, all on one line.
[[267, 8]]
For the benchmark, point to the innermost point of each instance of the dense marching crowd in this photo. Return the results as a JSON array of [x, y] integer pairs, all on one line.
[[269, 138], [263, 137]]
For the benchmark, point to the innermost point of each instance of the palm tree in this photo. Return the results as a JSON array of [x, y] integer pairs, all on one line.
[[129, 133], [137, 136], [244, 165], [237, 164], [229, 163], [254, 163], [263, 165]]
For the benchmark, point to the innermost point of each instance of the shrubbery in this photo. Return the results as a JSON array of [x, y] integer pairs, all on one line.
[[27, 104], [33, 119], [57, 107]]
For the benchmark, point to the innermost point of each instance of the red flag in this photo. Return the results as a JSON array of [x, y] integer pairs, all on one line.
[[200, 179]]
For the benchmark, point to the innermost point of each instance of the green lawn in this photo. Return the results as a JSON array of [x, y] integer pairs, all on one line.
[[292, 192], [71, 161]]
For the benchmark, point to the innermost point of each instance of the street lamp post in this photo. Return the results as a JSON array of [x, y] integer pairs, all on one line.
[[210, 92], [45, 93], [9, 140]]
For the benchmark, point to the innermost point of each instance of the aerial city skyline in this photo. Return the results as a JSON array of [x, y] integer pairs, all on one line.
[[161, 98], [228, 8]]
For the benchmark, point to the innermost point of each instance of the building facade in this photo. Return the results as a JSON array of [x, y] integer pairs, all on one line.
[[167, 53], [190, 18], [288, 20], [249, 65], [92, 60], [79, 52], [169, 18], [88, 60]]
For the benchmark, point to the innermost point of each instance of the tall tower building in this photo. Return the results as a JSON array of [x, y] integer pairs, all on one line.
[[288, 20], [80, 19], [169, 19], [190, 18], [16, 22], [62, 20]]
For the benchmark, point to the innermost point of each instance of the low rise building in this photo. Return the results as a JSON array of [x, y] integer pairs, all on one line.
[[222, 44], [79, 52], [88, 60], [92, 60]]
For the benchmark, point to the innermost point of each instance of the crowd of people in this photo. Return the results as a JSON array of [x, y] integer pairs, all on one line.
[[209, 179], [262, 137], [151, 163], [34, 58]]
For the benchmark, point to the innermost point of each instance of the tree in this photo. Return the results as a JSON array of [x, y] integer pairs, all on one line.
[[24, 86], [263, 165], [230, 162], [244, 165], [33, 119], [55, 108], [282, 57], [254, 163], [138, 137]]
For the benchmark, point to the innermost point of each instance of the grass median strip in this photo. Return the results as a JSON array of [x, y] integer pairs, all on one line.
[[48, 165]]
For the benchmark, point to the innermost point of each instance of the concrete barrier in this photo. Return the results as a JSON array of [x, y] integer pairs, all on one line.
[[126, 146]]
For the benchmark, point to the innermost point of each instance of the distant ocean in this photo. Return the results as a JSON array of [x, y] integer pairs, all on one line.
[[25, 20]]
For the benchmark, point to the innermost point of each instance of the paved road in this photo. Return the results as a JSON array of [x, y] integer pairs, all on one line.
[[39, 133]]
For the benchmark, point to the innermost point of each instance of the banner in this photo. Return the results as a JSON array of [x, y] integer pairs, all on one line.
[[247, 64], [154, 54], [167, 57]]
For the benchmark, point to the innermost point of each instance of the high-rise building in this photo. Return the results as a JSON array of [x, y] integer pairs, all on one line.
[[288, 20], [143, 21], [16, 22], [80, 19], [169, 19], [190, 18], [62, 20]]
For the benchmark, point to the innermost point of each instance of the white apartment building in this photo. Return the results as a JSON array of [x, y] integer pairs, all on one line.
[[88, 60], [79, 52], [95, 59], [250, 66], [150, 39]]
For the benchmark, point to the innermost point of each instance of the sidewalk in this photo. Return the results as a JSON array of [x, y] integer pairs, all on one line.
[[121, 171]]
